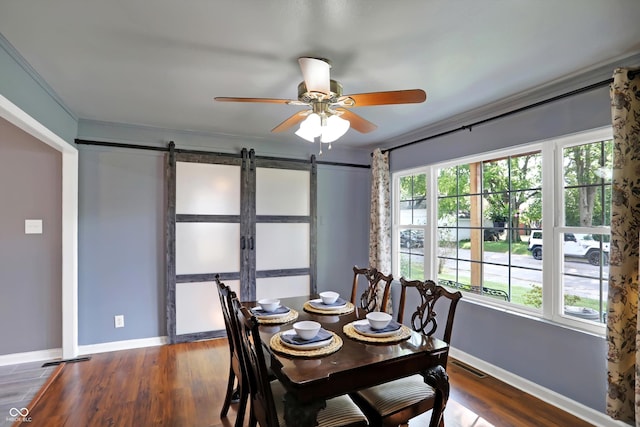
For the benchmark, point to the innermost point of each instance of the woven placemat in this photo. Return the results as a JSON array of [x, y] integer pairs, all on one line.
[[277, 345], [291, 315], [402, 334], [348, 308]]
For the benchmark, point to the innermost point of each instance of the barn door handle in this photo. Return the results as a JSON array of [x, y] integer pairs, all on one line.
[[242, 243], [250, 243]]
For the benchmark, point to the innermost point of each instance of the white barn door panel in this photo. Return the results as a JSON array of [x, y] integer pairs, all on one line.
[[249, 220]]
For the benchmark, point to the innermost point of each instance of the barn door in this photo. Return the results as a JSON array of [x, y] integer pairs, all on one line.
[[250, 220]]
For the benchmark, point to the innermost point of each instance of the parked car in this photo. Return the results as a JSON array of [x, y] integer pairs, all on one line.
[[575, 245], [412, 239]]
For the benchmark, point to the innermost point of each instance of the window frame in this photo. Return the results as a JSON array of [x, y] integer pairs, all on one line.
[[396, 227], [552, 207]]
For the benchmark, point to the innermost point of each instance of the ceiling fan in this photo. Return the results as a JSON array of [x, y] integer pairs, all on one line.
[[329, 116]]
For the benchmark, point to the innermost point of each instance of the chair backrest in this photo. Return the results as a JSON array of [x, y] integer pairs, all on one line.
[[223, 293], [372, 297], [425, 318], [262, 403]]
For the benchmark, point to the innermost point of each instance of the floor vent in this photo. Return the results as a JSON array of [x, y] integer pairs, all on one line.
[[468, 368]]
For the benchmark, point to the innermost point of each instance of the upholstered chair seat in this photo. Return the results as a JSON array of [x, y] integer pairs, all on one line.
[[401, 399], [340, 411]]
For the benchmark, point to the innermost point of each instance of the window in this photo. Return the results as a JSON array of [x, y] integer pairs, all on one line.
[[412, 214], [586, 206], [485, 208], [490, 220]]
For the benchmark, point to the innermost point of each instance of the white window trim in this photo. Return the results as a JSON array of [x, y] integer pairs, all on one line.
[[552, 207], [396, 226], [556, 293]]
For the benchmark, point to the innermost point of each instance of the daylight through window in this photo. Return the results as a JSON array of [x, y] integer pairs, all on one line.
[[488, 227]]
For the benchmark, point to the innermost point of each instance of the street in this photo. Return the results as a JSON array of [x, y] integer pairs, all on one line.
[[580, 277]]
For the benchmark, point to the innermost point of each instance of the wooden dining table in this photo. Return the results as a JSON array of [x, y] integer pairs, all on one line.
[[310, 381]]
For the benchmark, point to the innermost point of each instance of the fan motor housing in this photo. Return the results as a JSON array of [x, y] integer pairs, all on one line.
[[305, 96]]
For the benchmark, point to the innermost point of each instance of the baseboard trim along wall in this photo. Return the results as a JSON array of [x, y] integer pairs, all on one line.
[[85, 350], [30, 356], [568, 405]]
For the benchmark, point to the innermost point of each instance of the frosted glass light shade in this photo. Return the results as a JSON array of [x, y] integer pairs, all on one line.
[[310, 128], [335, 128]]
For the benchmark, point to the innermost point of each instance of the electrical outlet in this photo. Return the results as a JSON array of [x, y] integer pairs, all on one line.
[[119, 321]]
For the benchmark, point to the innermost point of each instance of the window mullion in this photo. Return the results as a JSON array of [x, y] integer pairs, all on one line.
[[551, 271], [431, 231]]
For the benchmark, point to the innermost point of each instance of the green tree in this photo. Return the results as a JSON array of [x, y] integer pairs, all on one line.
[[587, 172], [413, 186], [453, 185], [513, 190]]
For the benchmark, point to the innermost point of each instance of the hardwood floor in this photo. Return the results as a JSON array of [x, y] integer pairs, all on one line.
[[184, 384]]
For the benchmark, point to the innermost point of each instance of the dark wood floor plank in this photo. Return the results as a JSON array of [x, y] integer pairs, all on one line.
[[184, 385]]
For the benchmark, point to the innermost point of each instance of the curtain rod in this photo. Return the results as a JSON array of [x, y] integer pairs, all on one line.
[[630, 74], [180, 150]]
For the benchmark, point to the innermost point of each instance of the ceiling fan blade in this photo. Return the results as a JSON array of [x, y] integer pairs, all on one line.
[[267, 100], [316, 74], [291, 121], [357, 122], [411, 96]]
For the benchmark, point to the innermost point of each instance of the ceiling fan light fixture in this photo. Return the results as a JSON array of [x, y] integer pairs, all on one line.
[[334, 129], [329, 117], [310, 128]]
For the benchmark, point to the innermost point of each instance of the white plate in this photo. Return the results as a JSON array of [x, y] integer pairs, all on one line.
[[268, 315], [310, 346], [317, 303], [374, 334]]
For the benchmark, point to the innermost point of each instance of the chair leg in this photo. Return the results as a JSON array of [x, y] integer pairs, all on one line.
[[242, 406], [229, 394]]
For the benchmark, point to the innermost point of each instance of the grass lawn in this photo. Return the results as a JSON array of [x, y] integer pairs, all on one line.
[[518, 248]]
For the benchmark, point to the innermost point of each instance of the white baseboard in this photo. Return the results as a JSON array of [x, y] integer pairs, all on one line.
[[30, 356], [590, 415], [84, 350]]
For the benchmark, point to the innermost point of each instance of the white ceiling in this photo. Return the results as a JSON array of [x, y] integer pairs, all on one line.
[[161, 63]]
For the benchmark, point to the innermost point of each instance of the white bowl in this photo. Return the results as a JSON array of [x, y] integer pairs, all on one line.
[[378, 319], [269, 304], [306, 329], [329, 297]]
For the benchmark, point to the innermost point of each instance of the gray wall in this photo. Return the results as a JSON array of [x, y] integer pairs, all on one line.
[[343, 225], [120, 244], [569, 362], [30, 265]]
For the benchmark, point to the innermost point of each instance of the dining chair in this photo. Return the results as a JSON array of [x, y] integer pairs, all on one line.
[[371, 298], [267, 397], [236, 368], [396, 402]]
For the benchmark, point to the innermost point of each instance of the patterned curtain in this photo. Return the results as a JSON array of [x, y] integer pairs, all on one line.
[[380, 223], [623, 338]]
